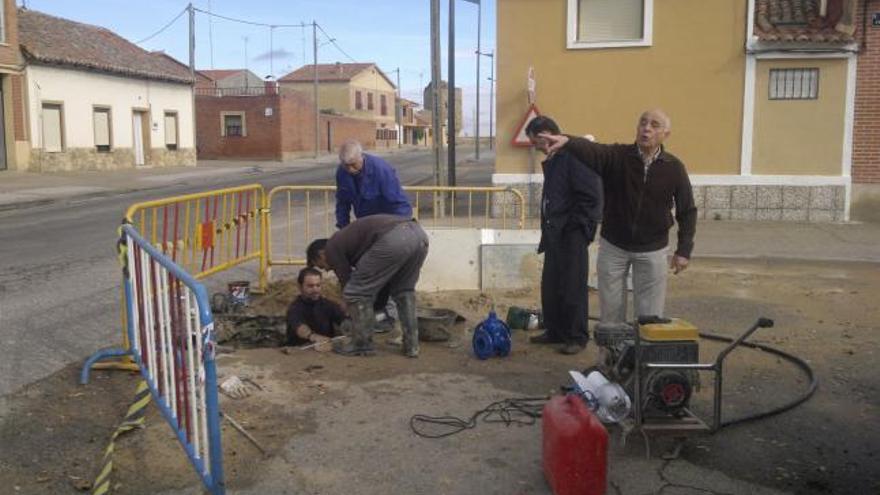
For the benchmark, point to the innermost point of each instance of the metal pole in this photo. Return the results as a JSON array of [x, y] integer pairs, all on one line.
[[192, 70], [397, 110], [439, 178], [271, 52], [477, 118], [211, 33], [315, 85], [491, 100], [192, 41], [450, 97]]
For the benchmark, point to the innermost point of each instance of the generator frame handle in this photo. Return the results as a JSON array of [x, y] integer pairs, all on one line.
[[717, 367]]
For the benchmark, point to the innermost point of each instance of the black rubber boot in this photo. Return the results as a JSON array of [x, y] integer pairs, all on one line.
[[406, 309], [360, 341]]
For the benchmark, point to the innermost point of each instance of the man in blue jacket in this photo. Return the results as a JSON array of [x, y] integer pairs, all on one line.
[[367, 184]]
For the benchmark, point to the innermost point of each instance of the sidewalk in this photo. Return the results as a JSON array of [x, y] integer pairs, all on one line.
[[25, 189], [728, 239]]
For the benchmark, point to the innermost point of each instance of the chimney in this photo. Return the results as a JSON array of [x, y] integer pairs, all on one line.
[[339, 68]]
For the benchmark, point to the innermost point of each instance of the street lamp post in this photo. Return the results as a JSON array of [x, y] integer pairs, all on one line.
[[491, 78]]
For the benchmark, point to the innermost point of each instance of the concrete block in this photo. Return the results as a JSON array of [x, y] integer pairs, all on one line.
[[795, 197], [794, 215], [717, 197], [769, 196], [460, 272], [822, 197], [717, 214], [510, 266], [767, 214], [744, 197], [747, 214], [821, 215]]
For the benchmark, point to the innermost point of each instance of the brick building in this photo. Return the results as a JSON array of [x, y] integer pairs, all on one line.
[[271, 127], [866, 131]]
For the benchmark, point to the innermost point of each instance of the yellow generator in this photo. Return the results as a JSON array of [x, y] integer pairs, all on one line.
[[664, 392]]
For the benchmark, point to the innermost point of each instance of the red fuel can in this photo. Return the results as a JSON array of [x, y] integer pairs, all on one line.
[[575, 448]]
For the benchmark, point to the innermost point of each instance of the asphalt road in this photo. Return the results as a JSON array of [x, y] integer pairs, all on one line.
[[59, 281]]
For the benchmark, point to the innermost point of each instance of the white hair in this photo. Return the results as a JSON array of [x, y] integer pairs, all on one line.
[[350, 151]]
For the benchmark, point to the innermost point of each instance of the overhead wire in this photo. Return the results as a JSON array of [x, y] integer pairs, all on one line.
[[166, 26]]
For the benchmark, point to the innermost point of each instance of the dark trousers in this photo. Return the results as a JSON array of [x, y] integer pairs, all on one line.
[[564, 287]]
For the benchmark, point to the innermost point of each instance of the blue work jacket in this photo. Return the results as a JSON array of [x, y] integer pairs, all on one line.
[[375, 189]]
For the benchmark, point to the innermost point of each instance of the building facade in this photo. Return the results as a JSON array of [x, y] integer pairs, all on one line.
[[361, 91], [428, 100], [761, 93], [95, 101], [271, 126]]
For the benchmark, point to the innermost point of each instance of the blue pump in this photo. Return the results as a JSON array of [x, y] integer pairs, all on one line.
[[491, 338]]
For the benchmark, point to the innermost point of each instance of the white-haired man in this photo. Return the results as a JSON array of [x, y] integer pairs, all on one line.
[[642, 184]]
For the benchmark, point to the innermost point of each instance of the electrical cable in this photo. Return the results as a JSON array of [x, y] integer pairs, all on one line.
[[516, 410], [333, 42], [252, 23], [814, 382], [166, 26]]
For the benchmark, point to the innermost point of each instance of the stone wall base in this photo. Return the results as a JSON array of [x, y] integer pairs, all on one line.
[[825, 203], [76, 159]]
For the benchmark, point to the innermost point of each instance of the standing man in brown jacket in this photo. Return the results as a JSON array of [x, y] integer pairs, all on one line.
[[642, 184]]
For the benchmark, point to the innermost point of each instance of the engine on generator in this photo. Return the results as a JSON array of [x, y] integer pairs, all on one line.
[[664, 392]]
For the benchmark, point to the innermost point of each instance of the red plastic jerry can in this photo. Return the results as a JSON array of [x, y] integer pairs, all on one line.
[[575, 448]]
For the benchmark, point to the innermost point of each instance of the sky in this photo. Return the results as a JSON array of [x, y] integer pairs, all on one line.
[[391, 33]]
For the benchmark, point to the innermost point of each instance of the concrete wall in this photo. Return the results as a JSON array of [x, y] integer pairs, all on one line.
[[486, 259], [79, 91], [800, 137]]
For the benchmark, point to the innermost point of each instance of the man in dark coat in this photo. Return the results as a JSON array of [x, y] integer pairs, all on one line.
[[571, 207]]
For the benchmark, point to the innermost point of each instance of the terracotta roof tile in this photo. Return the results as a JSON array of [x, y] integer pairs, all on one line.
[[218, 74], [55, 41], [330, 73], [800, 21]]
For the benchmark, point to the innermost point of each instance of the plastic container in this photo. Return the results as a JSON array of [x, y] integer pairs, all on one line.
[[575, 448], [239, 292]]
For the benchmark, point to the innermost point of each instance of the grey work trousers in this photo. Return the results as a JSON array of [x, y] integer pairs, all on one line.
[[649, 272], [394, 260]]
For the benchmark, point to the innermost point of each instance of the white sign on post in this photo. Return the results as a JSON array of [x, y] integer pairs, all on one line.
[[531, 85]]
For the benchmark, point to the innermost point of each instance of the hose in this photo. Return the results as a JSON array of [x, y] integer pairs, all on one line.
[[814, 382]]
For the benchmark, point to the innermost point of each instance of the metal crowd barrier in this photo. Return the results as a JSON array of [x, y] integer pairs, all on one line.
[[170, 334], [207, 232], [299, 214]]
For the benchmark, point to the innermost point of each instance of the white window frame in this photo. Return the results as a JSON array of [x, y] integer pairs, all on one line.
[[575, 44], [3, 22]]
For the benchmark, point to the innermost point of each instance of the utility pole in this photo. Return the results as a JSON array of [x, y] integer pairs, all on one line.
[[211, 33], [315, 85], [398, 118], [192, 66], [450, 99], [477, 117], [271, 52], [439, 178], [491, 78]]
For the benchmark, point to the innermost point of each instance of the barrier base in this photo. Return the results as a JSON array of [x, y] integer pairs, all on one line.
[[124, 363]]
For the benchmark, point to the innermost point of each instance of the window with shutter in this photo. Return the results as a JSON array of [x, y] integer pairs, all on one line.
[[101, 117], [52, 121], [171, 130], [609, 23]]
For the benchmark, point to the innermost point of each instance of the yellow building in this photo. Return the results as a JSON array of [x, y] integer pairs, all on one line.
[[355, 90], [760, 93]]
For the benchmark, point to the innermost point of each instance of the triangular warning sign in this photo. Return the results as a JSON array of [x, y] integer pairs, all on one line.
[[519, 137]]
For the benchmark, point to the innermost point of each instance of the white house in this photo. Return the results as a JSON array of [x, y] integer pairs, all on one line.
[[95, 101]]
